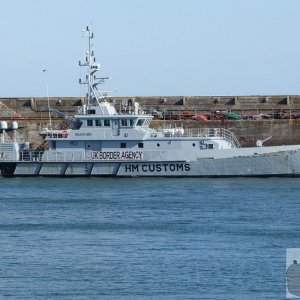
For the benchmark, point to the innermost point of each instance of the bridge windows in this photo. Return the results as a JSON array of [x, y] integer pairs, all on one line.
[[140, 122], [107, 122], [98, 123], [124, 122], [127, 122], [91, 111], [143, 122]]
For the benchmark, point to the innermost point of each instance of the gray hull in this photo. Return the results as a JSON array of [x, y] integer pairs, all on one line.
[[279, 164], [282, 163]]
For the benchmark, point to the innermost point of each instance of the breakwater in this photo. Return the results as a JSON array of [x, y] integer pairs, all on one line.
[[249, 117]]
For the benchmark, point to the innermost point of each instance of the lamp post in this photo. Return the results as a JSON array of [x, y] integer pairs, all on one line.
[[47, 89]]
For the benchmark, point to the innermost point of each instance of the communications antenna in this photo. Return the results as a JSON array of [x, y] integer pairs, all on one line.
[[94, 95]]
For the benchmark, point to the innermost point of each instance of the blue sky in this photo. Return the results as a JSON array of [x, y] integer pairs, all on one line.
[[152, 47]]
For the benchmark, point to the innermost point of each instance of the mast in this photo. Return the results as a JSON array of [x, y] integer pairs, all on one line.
[[94, 95]]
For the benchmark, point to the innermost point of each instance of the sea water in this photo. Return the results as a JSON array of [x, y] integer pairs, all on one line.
[[138, 238]]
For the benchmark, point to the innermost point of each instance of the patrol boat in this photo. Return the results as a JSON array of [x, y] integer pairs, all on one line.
[[102, 142]]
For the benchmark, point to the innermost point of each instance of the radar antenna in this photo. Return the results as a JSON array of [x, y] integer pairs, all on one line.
[[94, 95]]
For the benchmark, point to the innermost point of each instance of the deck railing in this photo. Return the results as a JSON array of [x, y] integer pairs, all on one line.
[[201, 132]]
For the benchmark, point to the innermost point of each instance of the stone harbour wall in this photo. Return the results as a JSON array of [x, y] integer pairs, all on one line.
[[249, 117]]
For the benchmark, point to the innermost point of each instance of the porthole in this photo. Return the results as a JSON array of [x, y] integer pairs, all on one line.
[[194, 144], [158, 144]]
